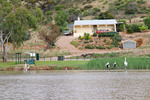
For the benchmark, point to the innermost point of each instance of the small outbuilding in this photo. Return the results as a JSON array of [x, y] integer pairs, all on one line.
[[129, 44]]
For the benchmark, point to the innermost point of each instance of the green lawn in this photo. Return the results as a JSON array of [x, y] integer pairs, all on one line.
[[61, 63], [9, 63]]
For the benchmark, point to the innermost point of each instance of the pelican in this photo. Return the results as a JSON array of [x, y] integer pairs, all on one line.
[[107, 65], [115, 64]]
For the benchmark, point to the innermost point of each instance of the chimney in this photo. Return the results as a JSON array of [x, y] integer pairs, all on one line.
[[78, 18]]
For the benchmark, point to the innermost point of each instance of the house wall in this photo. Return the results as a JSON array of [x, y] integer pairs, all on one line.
[[79, 30], [109, 27]]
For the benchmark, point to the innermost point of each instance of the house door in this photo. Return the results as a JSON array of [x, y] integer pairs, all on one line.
[[95, 28]]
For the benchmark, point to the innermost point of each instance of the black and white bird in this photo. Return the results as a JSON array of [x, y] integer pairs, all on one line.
[[107, 65], [125, 63], [115, 64]]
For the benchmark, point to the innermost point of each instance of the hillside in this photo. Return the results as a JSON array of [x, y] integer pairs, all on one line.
[[90, 9]]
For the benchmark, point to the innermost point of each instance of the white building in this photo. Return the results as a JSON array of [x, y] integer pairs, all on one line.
[[91, 26]]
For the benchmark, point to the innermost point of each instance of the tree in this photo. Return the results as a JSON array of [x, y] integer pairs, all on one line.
[[49, 34], [106, 15], [131, 7], [61, 19], [143, 28], [147, 22], [14, 24]]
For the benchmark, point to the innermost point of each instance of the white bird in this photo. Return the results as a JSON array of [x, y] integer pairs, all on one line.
[[125, 63], [26, 67], [66, 70], [115, 64], [107, 65]]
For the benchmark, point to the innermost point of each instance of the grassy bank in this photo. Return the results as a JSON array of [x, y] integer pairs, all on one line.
[[95, 64], [133, 63]]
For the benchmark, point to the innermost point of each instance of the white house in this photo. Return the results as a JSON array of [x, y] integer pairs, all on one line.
[[90, 26]]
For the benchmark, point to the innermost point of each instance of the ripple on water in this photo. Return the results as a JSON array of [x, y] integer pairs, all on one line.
[[76, 86]]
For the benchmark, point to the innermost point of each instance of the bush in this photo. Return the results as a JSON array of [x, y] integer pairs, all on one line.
[[143, 28], [86, 42], [89, 47], [87, 36], [105, 40], [87, 7], [100, 47], [147, 22], [91, 40], [129, 31], [107, 34], [95, 34], [74, 43], [105, 2], [116, 39], [134, 27], [85, 13], [109, 47], [59, 7], [95, 10]]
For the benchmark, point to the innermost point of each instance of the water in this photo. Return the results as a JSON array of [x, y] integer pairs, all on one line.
[[79, 85]]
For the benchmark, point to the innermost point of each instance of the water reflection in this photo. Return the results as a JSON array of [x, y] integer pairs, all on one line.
[[89, 85]]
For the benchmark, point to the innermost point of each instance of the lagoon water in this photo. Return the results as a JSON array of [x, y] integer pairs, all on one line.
[[75, 85]]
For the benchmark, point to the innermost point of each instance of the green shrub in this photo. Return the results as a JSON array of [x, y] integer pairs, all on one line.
[[80, 48], [86, 42], [91, 40], [59, 7], [87, 36], [147, 22], [95, 34], [85, 13], [134, 27], [87, 7], [100, 47], [95, 10], [106, 2], [89, 47], [129, 31], [116, 39], [143, 28], [109, 47], [141, 1], [74, 43], [105, 40], [107, 34], [108, 42], [143, 16]]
